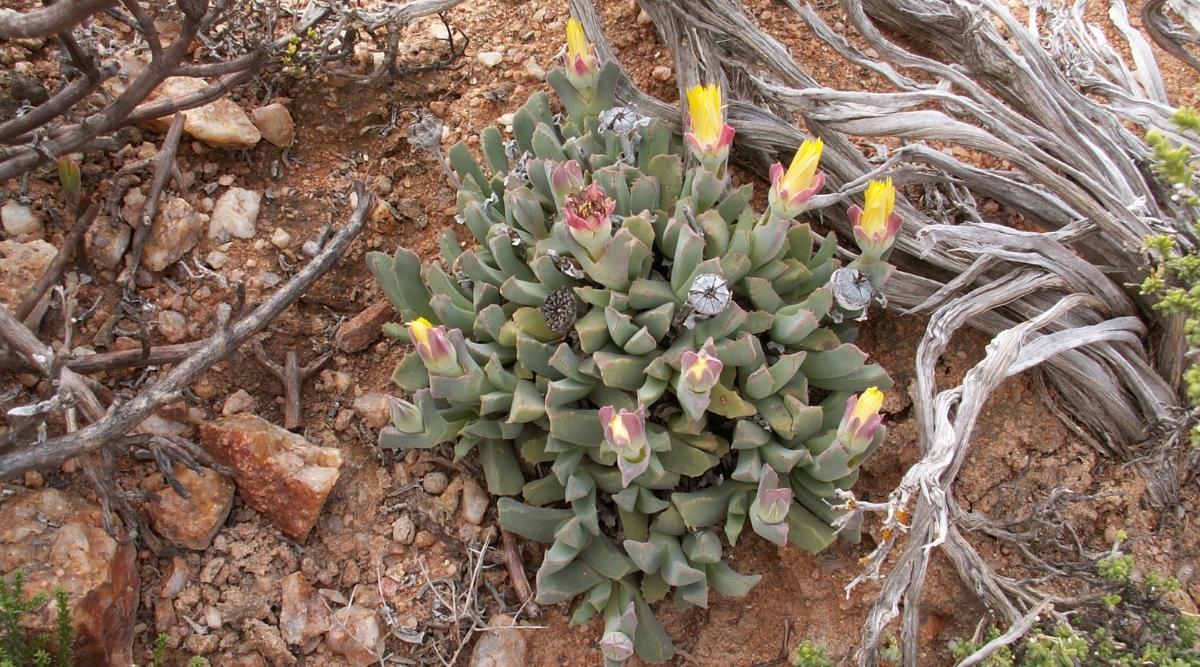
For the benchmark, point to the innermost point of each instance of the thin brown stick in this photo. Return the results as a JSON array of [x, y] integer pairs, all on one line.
[[220, 345], [292, 376], [49, 20], [516, 574], [164, 161], [60, 261]]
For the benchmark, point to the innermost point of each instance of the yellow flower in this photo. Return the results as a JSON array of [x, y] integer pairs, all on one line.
[[577, 42], [707, 118], [880, 200], [583, 69], [800, 174], [875, 228], [435, 348], [709, 136], [869, 403], [420, 328], [791, 190]]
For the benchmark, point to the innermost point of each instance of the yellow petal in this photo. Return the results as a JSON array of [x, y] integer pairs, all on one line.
[[420, 328], [577, 43], [704, 105], [880, 200], [869, 403], [800, 174]]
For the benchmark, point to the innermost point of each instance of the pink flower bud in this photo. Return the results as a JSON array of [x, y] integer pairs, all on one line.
[[616, 646], [565, 178], [435, 348], [625, 434], [773, 501], [701, 370], [861, 419]]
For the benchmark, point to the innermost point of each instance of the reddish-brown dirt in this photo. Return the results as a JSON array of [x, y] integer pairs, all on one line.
[[1019, 455]]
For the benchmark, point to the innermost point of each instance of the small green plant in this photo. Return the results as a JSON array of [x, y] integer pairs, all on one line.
[[198, 662], [159, 656], [1134, 626], [808, 654], [1175, 276], [1176, 164], [294, 56], [17, 648]]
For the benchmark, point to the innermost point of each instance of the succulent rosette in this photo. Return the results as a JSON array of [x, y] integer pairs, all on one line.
[[645, 367]]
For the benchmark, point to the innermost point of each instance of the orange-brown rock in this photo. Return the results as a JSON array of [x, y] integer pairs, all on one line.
[[361, 330], [192, 522], [59, 540], [278, 472]]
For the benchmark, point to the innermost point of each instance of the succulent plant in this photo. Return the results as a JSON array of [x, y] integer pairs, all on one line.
[[641, 361]]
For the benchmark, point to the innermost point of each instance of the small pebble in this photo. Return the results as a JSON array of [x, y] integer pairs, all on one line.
[[662, 73], [490, 58], [435, 482], [403, 530], [280, 238]]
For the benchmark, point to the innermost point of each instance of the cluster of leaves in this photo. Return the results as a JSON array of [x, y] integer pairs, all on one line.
[[158, 657], [298, 55], [645, 361], [17, 647], [1176, 164], [1135, 625], [808, 654], [1175, 276]]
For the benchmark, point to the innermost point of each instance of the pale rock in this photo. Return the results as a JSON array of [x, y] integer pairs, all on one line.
[[19, 221], [474, 501], [490, 58], [280, 238], [356, 634], [238, 402], [435, 483], [220, 123], [536, 71], [500, 645], [274, 122], [662, 73], [131, 205], [278, 472], [175, 231], [106, 242], [216, 259], [404, 530], [60, 541], [303, 614], [374, 410], [235, 214], [21, 265], [172, 325]]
